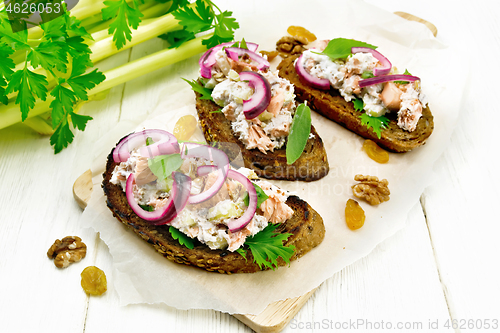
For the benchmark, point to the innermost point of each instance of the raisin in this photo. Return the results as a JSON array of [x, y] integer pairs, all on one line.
[[354, 215], [375, 152], [270, 54], [94, 281], [301, 32], [185, 127]]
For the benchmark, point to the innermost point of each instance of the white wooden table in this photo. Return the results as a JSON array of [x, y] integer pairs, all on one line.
[[443, 267]]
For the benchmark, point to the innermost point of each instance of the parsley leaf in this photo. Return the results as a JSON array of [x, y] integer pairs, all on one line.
[[125, 16], [375, 123], [181, 237], [192, 21], [340, 48], [358, 104], [162, 166], [28, 84], [197, 87], [299, 133], [203, 18], [267, 246], [261, 196], [62, 136]]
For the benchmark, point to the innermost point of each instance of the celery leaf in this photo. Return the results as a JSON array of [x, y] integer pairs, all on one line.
[[125, 17], [195, 21], [61, 137], [29, 85]]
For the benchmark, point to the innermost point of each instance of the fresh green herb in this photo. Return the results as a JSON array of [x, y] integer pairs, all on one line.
[[125, 16], [340, 48], [181, 237], [147, 208], [267, 246], [404, 82], [241, 45], [375, 123], [197, 87], [299, 133], [46, 72], [367, 75], [162, 166], [216, 111], [203, 18], [149, 141], [261, 196], [358, 104]]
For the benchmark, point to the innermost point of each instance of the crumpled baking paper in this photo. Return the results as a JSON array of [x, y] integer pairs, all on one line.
[[143, 276]]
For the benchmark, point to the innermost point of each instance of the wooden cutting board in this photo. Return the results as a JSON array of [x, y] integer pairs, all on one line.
[[278, 314]]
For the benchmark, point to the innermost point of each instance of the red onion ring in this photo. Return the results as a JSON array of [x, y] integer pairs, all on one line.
[[167, 145], [387, 78], [220, 160], [179, 196], [207, 60], [240, 223], [386, 64], [311, 80], [261, 97], [235, 52]]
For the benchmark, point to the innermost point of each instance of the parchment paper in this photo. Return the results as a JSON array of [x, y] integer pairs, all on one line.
[[143, 276]]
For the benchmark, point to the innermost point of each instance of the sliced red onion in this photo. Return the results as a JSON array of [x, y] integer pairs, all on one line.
[[386, 64], [220, 160], [207, 61], [387, 78], [261, 97], [167, 144], [235, 52], [178, 199], [240, 223], [311, 80]]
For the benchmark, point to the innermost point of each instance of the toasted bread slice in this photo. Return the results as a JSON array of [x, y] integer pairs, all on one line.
[[305, 225], [312, 164], [333, 106]]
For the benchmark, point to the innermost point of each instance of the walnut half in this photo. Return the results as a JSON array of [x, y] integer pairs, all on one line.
[[66, 251], [371, 189], [291, 45]]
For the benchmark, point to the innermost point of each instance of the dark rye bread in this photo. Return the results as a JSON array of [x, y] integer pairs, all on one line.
[[333, 106], [305, 225], [312, 164]]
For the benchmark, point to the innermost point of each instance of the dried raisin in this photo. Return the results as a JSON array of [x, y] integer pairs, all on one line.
[[301, 32], [94, 281], [375, 152], [185, 127]]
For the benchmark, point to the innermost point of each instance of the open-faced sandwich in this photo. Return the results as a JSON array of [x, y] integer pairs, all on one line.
[[239, 100], [196, 209], [351, 83]]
